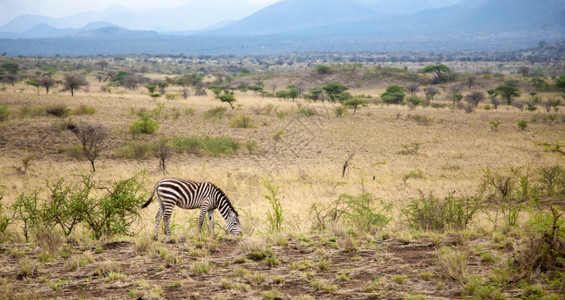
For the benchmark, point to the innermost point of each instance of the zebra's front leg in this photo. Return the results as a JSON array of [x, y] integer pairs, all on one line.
[[211, 219]]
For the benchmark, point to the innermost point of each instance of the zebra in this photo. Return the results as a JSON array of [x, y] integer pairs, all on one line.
[[190, 194]]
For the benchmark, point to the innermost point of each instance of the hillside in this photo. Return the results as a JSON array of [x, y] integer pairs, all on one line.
[[486, 16], [304, 26]]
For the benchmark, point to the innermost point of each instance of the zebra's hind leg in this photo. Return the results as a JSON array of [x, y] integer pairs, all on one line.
[[167, 220], [157, 221]]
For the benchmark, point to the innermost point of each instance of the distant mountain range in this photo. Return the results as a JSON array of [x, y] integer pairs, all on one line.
[[336, 17], [196, 14], [297, 25]]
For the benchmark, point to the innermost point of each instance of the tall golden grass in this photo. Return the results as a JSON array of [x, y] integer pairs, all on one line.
[[307, 164]]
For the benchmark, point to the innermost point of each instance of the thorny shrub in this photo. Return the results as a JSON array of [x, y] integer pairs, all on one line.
[[543, 247], [363, 212], [432, 213], [69, 205]]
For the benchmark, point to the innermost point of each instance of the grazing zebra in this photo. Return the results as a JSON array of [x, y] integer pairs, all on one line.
[[189, 194]]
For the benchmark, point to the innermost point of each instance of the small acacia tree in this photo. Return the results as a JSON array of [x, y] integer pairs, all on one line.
[[439, 70], [35, 83], [333, 89], [431, 91], [413, 88], [47, 82], [475, 98], [74, 82], [92, 138], [508, 93], [355, 103], [227, 97], [394, 94]]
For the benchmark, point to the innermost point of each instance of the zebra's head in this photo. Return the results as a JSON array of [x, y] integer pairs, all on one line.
[[233, 223]]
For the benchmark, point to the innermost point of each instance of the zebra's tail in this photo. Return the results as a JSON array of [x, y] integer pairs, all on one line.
[[150, 197]]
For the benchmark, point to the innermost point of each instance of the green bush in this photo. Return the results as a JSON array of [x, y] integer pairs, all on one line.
[[136, 151], [189, 144], [414, 101], [522, 125], [431, 213], [84, 110], [394, 94], [214, 113], [5, 220], [26, 210], [216, 146], [213, 146], [171, 96], [543, 248], [242, 121], [146, 125], [59, 111], [552, 180], [306, 111], [4, 113], [275, 215], [114, 212], [69, 205], [504, 197], [363, 212], [339, 111]]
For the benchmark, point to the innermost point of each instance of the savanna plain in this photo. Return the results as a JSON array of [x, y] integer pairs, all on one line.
[[392, 181]]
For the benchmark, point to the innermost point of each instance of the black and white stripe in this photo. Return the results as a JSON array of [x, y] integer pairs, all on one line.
[[189, 194]]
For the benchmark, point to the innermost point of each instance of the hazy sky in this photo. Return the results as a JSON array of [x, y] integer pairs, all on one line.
[[10, 9]]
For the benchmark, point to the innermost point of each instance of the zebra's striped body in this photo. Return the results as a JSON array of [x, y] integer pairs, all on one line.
[[189, 194]]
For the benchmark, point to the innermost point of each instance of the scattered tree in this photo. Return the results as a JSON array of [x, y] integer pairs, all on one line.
[[539, 83], [431, 91], [47, 82], [560, 84], [439, 70], [471, 81], [102, 64], [322, 69], [73, 82], [507, 93], [524, 71], [282, 94], [475, 98], [355, 103], [227, 97], [316, 94], [333, 89], [91, 138], [35, 83], [413, 88], [394, 94], [551, 103], [455, 90], [10, 67], [293, 92], [10, 78], [162, 151], [495, 102]]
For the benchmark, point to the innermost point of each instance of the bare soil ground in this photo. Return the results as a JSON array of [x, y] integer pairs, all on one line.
[[380, 269]]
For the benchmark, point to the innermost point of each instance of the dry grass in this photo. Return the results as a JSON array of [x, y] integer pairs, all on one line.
[[307, 163]]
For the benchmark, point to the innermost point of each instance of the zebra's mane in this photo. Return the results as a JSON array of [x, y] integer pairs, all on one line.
[[222, 194]]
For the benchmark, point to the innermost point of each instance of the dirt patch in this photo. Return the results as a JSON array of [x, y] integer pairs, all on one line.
[[385, 269]]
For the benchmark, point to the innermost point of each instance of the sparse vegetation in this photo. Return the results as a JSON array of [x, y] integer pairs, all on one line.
[[425, 200]]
